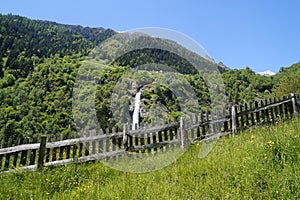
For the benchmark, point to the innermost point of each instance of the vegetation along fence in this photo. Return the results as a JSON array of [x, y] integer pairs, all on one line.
[[34, 153]]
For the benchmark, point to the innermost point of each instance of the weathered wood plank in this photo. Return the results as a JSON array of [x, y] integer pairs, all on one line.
[[107, 142], [16, 154], [166, 135], [149, 136], [247, 115], [267, 113], [233, 120], [182, 133], [22, 147], [87, 146], [68, 148], [61, 148], [262, 108], [284, 110], [33, 153], [82, 140], [7, 156], [277, 110], [273, 113], [48, 150], [54, 150], [80, 149], [206, 123], [154, 140], [257, 116], [79, 160], [153, 129], [151, 146], [241, 117], [251, 114], [42, 151], [162, 134], [142, 141]]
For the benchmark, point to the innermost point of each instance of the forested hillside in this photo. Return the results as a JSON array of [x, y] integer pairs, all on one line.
[[39, 61], [288, 81]]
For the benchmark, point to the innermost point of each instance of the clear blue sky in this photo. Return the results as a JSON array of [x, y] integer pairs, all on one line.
[[259, 34]]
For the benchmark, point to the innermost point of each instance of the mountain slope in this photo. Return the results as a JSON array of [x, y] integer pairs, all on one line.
[[287, 81], [24, 41], [39, 62]]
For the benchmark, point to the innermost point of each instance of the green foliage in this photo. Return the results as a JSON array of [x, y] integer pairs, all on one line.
[[109, 79], [23, 39], [244, 85], [159, 100], [287, 81], [290, 83], [39, 62], [143, 56], [40, 103]]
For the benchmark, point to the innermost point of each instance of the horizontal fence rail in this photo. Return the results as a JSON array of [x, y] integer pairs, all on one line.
[[33, 153]]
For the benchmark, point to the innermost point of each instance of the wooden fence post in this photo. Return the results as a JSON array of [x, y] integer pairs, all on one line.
[[125, 132], [42, 151], [182, 133], [294, 104], [233, 119]]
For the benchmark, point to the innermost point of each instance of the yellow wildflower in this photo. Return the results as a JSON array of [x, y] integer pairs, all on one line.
[[270, 143], [265, 155], [45, 168]]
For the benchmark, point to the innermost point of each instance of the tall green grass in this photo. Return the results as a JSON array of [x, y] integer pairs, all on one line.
[[260, 163]]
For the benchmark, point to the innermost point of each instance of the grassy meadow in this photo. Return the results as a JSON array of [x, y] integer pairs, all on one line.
[[260, 163]]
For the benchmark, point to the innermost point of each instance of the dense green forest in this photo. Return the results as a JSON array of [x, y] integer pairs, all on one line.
[[39, 62]]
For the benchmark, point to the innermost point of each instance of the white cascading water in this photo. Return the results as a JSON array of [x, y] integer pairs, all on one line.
[[136, 111]]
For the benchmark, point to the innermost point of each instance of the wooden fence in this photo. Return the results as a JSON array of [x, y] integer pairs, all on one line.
[[32, 153]]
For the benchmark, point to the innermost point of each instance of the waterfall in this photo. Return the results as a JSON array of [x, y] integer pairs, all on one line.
[[136, 111]]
